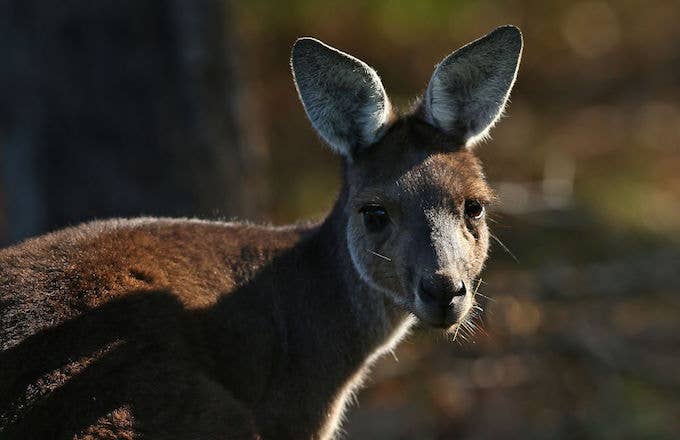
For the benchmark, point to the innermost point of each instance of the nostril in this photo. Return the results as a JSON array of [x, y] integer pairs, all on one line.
[[441, 289], [459, 288]]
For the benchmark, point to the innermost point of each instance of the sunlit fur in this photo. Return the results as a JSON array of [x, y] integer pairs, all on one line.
[[424, 188], [469, 88], [182, 328], [343, 96]]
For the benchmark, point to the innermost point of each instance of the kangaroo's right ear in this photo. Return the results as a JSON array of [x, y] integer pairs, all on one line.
[[343, 96]]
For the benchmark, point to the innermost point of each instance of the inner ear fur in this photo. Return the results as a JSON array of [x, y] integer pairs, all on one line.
[[342, 96], [470, 88]]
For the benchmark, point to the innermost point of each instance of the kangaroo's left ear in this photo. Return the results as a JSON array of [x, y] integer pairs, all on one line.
[[469, 88], [343, 96]]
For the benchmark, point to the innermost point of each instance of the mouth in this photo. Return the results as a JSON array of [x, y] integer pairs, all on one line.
[[443, 317]]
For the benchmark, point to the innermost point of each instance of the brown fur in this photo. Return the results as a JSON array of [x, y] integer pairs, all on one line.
[[173, 329], [109, 316], [183, 328]]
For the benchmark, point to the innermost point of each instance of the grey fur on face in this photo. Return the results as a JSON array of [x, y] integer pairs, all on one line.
[[347, 105], [450, 247]]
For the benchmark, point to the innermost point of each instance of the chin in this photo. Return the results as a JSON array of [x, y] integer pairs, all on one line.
[[444, 323], [445, 318]]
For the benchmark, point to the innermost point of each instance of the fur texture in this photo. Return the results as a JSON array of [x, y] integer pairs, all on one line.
[[166, 329], [193, 329], [469, 88], [343, 97]]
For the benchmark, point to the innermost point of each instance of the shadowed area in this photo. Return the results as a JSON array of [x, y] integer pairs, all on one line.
[[108, 350], [126, 359]]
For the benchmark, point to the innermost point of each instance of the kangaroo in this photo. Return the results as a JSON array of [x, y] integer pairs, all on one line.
[[188, 329]]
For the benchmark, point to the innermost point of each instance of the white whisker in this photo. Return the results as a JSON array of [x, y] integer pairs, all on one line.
[[379, 255], [504, 247]]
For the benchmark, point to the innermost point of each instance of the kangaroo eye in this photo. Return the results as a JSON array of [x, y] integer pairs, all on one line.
[[375, 217], [474, 209]]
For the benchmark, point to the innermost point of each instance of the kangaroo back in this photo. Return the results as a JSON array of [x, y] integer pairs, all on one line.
[[107, 314]]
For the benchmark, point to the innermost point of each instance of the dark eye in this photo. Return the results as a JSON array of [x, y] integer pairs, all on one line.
[[375, 217], [474, 209]]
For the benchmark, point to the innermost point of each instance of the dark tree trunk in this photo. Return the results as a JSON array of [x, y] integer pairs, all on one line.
[[120, 108]]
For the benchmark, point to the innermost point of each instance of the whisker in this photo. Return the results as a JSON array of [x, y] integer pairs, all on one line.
[[479, 282], [498, 221], [504, 247], [484, 296], [379, 255], [455, 334], [420, 271], [479, 322]]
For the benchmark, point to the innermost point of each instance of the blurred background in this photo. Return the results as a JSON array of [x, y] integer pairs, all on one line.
[[123, 108]]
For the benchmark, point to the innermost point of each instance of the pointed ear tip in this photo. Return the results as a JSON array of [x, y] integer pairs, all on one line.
[[306, 41], [303, 44], [509, 29], [511, 33]]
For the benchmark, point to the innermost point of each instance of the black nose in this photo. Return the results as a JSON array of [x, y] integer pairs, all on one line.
[[440, 289]]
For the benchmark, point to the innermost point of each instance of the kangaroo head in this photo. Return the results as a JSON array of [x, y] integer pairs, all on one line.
[[415, 192]]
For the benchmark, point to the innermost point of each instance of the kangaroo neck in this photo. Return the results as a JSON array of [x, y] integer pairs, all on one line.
[[372, 308], [336, 326]]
